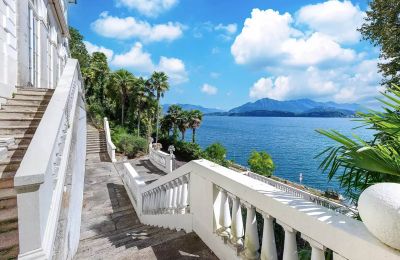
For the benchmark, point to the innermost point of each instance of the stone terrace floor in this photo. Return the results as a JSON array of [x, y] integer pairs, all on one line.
[[110, 228]]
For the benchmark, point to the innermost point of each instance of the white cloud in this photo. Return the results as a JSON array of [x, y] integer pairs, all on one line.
[[95, 48], [140, 61], [269, 37], [129, 27], [208, 89], [356, 83], [215, 75], [135, 58], [227, 30], [175, 69], [338, 19], [151, 8]]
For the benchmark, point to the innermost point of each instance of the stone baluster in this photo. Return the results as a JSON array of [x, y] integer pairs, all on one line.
[[184, 194], [145, 202], [151, 198], [318, 250], [237, 224], [171, 197], [158, 199], [179, 196], [162, 199], [268, 248], [225, 220], [290, 246], [251, 242]]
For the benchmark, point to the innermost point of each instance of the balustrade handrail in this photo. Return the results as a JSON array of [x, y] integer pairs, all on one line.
[[321, 227], [304, 194], [160, 159], [39, 154], [110, 145]]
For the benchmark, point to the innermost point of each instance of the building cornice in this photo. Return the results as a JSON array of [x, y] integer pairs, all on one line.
[[60, 17]]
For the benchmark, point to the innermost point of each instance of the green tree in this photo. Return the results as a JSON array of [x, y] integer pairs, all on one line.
[[97, 76], [140, 99], [382, 28], [261, 163], [183, 123], [158, 82], [175, 113], [215, 152], [359, 164], [78, 49], [123, 81], [195, 119]]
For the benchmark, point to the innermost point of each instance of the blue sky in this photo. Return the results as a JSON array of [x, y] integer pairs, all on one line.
[[224, 53]]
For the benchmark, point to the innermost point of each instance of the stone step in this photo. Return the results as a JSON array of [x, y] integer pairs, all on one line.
[[17, 130], [6, 183], [23, 107], [10, 114], [35, 93], [33, 90], [38, 96], [8, 215], [9, 226], [8, 240], [7, 193], [27, 102], [20, 122], [8, 203], [17, 151], [8, 167]]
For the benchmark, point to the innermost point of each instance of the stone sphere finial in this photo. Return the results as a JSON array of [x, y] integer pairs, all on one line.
[[379, 210]]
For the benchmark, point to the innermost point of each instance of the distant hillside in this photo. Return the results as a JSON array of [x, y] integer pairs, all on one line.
[[205, 110], [295, 106]]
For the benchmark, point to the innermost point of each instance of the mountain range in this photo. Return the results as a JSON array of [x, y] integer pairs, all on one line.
[[205, 110], [267, 107]]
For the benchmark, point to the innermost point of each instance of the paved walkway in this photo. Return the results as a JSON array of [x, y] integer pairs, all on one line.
[[110, 228]]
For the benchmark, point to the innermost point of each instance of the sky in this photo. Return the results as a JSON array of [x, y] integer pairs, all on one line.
[[222, 54]]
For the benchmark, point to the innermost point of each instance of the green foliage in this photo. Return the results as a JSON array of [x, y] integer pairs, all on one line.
[[78, 49], [128, 143], [195, 118], [188, 151], [382, 28], [216, 152], [261, 163], [359, 164]]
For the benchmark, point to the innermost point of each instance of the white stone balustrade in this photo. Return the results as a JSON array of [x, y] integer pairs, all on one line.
[[216, 195], [160, 159], [57, 148], [110, 145]]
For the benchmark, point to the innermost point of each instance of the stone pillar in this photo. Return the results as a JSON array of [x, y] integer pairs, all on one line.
[[251, 242], [184, 195], [318, 250], [224, 215], [290, 247], [237, 223], [268, 249]]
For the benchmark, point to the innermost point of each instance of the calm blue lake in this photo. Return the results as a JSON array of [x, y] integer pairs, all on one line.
[[292, 142]]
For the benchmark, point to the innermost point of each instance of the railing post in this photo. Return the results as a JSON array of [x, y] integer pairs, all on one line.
[[170, 197], [225, 220], [318, 250], [268, 248], [237, 224], [251, 242], [162, 199], [290, 247], [184, 194], [175, 196]]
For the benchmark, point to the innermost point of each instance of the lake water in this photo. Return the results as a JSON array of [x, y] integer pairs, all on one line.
[[292, 142]]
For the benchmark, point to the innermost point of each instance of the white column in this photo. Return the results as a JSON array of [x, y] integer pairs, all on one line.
[[251, 242], [237, 223], [184, 195], [171, 197], [290, 247], [175, 195], [318, 250], [158, 199], [225, 220], [268, 248], [162, 199], [178, 197]]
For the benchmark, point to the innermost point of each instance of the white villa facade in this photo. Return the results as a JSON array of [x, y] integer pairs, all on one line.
[[43, 139], [33, 43]]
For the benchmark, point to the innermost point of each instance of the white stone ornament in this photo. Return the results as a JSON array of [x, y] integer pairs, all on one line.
[[379, 208]]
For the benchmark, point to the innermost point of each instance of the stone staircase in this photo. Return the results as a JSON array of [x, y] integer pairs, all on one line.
[[96, 141], [19, 118]]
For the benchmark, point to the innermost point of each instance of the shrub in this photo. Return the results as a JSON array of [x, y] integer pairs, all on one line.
[[216, 152], [131, 145], [187, 151], [261, 163], [116, 133]]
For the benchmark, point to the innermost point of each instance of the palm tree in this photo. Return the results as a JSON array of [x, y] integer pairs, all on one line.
[[195, 118], [124, 81], [183, 123], [158, 82], [359, 164], [175, 112], [166, 124], [140, 99]]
